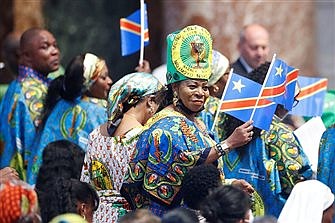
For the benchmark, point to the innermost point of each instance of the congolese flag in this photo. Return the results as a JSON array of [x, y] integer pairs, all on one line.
[[131, 32], [280, 83], [240, 99], [311, 96]]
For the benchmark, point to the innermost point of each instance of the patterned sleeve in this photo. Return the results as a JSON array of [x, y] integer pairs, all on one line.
[[164, 154]]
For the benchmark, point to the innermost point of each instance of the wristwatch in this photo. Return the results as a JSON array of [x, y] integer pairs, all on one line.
[[222, 148]]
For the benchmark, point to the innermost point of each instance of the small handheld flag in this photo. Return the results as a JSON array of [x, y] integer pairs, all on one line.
[[280, 82], [311, 96], [241, 100], [131, 32]]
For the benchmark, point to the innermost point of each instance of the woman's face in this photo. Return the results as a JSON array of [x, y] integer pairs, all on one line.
[[193, 94], [100, 88]]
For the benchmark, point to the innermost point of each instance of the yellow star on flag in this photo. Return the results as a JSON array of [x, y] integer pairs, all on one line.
[[279, 70]]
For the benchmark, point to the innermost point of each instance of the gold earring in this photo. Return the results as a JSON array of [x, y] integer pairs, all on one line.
[[84, 217], [175, 99]]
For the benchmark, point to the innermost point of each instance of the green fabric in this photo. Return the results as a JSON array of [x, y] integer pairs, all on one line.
[[328, 115], [189, 54], [3, 89]]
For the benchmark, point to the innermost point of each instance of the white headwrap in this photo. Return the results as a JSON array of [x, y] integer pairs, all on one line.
[[306, 203], [220, 65]]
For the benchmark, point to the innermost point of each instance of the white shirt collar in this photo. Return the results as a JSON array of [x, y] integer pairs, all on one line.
[[246, 65]]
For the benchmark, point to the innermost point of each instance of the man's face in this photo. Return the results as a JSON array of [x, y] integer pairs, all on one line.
[[43, 53], [255, 46]]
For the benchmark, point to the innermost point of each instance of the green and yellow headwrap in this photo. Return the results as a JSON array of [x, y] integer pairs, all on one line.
[[189, 54]]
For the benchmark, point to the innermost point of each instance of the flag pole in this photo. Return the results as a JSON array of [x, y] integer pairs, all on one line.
[[142, 33], [221, 100], [263, 85]]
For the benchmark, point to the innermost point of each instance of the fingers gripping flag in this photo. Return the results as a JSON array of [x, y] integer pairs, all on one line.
[[240, 99], [131, 32]]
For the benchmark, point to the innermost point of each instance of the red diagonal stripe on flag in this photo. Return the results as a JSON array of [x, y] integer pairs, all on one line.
[[280, 89], [292, 76], [133, 27], [246, 103], [313, 89]]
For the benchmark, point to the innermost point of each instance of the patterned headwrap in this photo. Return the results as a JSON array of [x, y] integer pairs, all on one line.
[[17, 199], [219, 67], [189, 54], [68, 218], [92, 69], [131, 88]]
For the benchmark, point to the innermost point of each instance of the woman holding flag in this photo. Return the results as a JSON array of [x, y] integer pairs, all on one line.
[[175, 140]]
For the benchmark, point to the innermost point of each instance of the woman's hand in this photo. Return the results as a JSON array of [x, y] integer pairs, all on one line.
[[243, 185], [8, 173], [241, 135]]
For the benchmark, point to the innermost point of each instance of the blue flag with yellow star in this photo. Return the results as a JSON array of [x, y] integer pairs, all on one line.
[[241, 97], [275, 82]]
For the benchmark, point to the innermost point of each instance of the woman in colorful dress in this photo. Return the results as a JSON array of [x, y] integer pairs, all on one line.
[[131, 102], [73, 106], [174, 140]]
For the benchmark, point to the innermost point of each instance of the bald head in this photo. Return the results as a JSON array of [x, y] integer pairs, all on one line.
[[254, 44], [39, 50]]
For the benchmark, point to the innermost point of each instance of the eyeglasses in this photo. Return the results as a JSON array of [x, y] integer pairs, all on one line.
[[295, 103]]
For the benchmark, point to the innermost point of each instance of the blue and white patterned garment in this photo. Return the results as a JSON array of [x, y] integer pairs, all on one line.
[[20, 112], [326, 164], [272, 163], [168, 147], [72, 121]]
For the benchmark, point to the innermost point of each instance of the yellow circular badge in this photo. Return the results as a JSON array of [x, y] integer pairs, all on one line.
[[192, 52]]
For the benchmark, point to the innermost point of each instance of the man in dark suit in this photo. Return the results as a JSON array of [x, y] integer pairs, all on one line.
[[253, 47]]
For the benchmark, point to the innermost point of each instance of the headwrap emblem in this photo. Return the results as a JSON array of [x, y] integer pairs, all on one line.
[[189, 54]]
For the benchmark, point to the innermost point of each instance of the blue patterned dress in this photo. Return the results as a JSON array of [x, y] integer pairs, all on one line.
[[169, 146], [326, 164], [208, 115], [72, 121], [272, 164], [20, 111]]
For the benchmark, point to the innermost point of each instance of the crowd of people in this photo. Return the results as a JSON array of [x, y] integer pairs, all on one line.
[[80, 148]]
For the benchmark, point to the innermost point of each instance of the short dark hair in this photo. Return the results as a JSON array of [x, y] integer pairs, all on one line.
[[199, 181], [180, 215], [226, 204]]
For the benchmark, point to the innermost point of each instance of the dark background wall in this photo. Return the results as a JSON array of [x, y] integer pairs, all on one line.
[[94, 26]]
